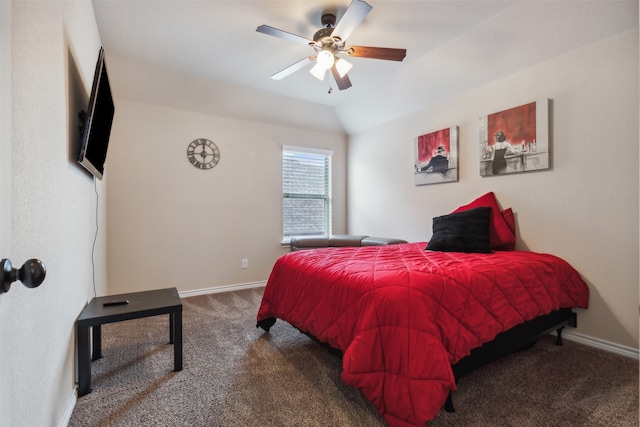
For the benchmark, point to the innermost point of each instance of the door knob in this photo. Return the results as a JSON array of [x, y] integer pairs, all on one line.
[[31, 274]]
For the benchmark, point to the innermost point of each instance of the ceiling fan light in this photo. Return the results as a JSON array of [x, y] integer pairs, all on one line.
[[325, 59], [318, 71], [343, 66]]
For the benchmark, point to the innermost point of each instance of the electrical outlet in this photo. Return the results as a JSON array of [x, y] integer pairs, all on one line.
[[245, 263]]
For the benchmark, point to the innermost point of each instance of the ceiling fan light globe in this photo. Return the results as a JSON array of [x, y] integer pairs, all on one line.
[[318, 71], [343, 66], [325, 59]]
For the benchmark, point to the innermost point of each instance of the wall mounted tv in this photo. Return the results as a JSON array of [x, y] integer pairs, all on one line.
[[96, 122]]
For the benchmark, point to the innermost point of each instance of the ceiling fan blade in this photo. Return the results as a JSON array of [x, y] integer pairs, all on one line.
[[265, 29], [352, 17], [390, 54], [292, 68], [342, 82]]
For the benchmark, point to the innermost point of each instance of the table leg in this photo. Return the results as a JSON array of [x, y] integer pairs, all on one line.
[[171, 326], [177, 340], [84, 364], [97, 342]]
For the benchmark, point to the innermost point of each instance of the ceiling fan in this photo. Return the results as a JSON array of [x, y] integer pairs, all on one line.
[[329, 43]]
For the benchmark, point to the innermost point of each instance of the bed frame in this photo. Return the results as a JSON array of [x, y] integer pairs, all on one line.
[[518, 338]]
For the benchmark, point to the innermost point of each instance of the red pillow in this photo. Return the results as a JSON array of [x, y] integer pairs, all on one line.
[[511, 221], [502, 235]]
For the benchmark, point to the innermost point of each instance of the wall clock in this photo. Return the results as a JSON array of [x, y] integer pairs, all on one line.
[[203, 154]]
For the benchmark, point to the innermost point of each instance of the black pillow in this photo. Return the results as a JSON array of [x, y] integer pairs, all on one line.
[[466, 231]]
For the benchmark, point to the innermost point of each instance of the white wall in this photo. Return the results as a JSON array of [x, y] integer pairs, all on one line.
[[172, 225], [585, 209], [5, 202], [54, 51]]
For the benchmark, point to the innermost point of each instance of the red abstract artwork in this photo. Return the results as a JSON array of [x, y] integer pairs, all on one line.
[[428, 144], [436, 156], [515, 140], [518, 124]]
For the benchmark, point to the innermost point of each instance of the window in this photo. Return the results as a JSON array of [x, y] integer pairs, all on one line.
[[306, 193]]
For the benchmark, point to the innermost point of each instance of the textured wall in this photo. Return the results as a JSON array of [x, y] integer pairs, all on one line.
[[585, 209], [54, 51]]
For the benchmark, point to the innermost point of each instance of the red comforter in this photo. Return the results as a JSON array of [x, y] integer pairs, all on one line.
[[402, 315]]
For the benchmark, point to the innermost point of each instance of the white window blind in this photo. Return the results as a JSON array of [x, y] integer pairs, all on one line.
[[306, 192]]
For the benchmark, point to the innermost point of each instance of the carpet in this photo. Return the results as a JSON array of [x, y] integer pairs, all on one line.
[[237, 375]]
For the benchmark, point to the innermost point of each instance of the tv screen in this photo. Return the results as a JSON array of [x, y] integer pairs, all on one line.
[[97, 126]]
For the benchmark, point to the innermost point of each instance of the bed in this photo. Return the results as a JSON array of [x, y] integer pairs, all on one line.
[[410, 320]]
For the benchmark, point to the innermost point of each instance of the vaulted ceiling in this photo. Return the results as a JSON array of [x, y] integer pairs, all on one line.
[[206, 56]]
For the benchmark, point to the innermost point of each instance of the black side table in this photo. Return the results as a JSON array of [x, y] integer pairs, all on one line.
[[141, 304]]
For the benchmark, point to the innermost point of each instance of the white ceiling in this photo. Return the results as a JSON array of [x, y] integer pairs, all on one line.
[[206, 56]]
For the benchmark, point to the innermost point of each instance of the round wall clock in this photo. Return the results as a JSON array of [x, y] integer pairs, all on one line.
[[203, 153]]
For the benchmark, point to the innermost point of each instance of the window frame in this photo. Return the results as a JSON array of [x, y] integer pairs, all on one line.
[[327, 157]]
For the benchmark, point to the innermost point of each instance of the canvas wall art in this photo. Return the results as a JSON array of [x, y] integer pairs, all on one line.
[[515, 140], [436, 157]]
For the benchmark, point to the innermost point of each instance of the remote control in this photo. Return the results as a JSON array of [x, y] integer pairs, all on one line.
[[110, 303]]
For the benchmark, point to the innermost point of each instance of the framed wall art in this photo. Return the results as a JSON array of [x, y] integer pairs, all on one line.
[[436, 157], [515, 140]]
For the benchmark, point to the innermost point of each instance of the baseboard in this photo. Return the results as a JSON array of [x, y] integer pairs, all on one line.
[[226, 288], [68, 410], [609, 346]]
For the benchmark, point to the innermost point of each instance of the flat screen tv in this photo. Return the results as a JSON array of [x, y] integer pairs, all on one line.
[[97, 122]]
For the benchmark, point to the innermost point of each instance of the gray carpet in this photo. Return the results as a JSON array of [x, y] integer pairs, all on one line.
[[237, 375]]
